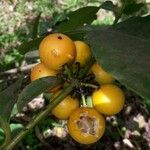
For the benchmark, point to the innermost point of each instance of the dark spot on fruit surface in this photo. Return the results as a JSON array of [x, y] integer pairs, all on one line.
[[39, 70], [59, 37]]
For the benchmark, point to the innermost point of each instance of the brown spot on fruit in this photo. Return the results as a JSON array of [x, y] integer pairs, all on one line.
[[59, 37]]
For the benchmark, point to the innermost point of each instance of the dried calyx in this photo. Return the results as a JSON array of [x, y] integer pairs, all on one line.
[[86, 124]]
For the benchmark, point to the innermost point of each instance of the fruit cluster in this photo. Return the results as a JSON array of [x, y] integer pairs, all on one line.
[[85, 124]]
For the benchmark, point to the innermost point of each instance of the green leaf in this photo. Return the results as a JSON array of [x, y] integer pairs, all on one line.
[[132, 8], [8, 99], [35, 88], [5, 133], [57, 18], [35, 26], [126, 57], [137, 26], [14, 129], [108, 5], [2, 135], [78, 18], [14, 111], [78, 34], [29, 45], [32, 55]]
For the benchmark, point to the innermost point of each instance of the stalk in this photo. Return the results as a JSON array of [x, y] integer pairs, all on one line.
[[6, 128], [87, 67]]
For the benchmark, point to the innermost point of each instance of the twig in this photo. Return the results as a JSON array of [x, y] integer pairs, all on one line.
[[16, 70], [89, 85]]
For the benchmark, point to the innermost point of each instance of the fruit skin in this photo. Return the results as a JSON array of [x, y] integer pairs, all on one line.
[[83, 53], [40, 71], [75, 130], [101, 76], [109, 99], [65, 107], [57, 49]]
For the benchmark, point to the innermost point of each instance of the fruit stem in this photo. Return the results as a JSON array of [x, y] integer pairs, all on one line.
[[39, 117], [87, 67], [120, 132], [83, 100], [89, 85], [68, 71]]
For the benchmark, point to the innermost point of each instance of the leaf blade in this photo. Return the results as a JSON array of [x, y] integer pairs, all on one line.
[[78, 18], [125, 57], [136, 26], [35, 26], [8, 99], [29, 45], [35, 88]]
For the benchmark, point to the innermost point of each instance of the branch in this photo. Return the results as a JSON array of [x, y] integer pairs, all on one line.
[[19, 69]]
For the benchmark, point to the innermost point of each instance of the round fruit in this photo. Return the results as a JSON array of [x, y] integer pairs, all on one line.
[[83, 52], [109, 99], [65, 107], [86, 125], [101, 76], [40, 71], [56, 50]]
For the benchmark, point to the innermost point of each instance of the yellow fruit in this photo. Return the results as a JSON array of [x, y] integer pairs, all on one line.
[[40, 71], [101, 76], [65, 107], [86, 125], [56, 50], [83, 52], [109, 99]]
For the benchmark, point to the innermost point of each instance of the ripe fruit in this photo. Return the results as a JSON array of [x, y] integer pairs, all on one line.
[[109, 99], [83, 52], [86, 125], [101, 76], [40, 71], [65, 107], [56, 50]]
